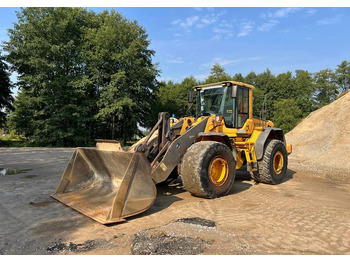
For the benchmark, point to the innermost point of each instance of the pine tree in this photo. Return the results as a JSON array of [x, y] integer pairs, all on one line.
[[6, 98]]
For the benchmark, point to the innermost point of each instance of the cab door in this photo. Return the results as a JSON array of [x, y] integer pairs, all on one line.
[[242, 101]]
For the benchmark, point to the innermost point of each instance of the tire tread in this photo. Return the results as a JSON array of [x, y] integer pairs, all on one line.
[[264, 173], [192, 170]]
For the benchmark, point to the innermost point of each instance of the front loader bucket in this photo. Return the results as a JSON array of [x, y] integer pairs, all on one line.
[[107, 185]]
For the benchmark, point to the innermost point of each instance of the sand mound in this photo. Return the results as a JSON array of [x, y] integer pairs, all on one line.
[[321, 141]]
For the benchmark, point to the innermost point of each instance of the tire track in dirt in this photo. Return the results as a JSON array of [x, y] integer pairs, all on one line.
[[275, 219], [307, 214]]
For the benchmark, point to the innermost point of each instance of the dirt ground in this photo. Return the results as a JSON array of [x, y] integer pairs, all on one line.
[[309, 213]]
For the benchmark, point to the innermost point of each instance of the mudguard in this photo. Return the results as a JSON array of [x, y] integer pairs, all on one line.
[[268, 133]]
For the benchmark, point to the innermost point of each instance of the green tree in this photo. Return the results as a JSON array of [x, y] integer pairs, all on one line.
[[184, 89], [284, 87], [265, 82], [258, 95], [21, 120], [325, 89], [287, 114], [217, 74], [303, 90], [167, 99], [6, 98], [88, 75], [238, 77], [342, 75], [250, 78], [44, 48], [258, 103], [173, 98], [120, 66]]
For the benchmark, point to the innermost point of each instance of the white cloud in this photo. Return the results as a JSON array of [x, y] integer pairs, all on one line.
[[222, 32], [222, 62], [166, 79], [284, 12], [267, 26], [218, 30], [224, 23], [278, 14], [208, 21], [189, 21], [199, 21], [245, 29], [201, 77], [176, 22], [178, 60], [329, 21], [286, 31], [310, 12], [216, 37], [254, 58], [263, 16]]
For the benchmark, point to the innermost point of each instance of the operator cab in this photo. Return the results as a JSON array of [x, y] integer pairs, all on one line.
[[228, 99]]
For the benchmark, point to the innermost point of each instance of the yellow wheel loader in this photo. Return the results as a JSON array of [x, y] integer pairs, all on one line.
[[109, 184]]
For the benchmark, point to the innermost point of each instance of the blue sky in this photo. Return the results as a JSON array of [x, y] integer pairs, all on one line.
[[188, 41]]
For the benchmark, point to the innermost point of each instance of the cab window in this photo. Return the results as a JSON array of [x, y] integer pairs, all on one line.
[[229, 109], [242, 106]]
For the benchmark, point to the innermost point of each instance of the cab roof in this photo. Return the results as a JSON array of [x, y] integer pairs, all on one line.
[[224, 83]]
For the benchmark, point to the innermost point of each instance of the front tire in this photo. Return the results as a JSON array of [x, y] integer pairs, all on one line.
[[273, 166], [208, 169]]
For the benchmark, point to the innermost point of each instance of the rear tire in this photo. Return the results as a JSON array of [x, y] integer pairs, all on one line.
[[273, 166], [208, 169]]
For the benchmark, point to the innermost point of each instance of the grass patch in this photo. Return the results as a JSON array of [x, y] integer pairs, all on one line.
[[16, 143]]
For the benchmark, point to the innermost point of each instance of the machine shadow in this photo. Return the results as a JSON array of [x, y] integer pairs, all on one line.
[[289, 175], [242, 175], [167, 194]]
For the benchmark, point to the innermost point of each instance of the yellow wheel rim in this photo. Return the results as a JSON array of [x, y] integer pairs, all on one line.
[[218, 171], [278, 162]]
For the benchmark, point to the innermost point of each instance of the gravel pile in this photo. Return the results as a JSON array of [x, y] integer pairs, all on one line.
[[321, 141]]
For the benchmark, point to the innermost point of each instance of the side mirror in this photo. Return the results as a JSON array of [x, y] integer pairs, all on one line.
[[190, 97], [234, 91]]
